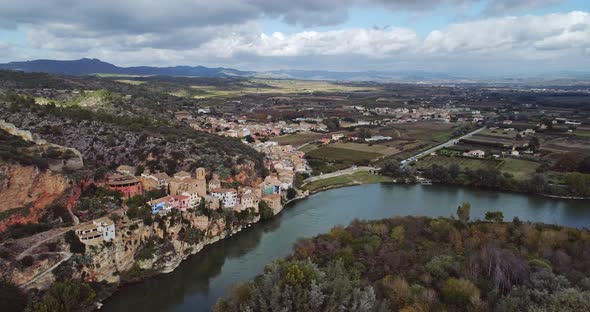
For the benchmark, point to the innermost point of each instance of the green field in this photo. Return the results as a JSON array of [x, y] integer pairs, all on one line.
[[298, 139], [335, 154], [463, 162], [345, 180], [519, 168]]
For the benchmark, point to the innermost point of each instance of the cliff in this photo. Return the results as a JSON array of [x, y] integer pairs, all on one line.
[[137, 252], [30, 188]]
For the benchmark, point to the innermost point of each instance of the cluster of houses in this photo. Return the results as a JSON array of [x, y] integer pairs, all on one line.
[[239, 127], [189, 191]]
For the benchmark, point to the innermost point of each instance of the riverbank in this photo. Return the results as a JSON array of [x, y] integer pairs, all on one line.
[[357, 178], [201, 279]]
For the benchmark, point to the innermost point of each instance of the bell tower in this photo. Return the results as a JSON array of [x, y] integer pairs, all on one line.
[[201, 182]]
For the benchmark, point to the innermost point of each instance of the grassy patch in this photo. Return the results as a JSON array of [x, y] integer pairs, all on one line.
[[345, 180], [463, 162], [380, 149], [308, 148], [521, 169]]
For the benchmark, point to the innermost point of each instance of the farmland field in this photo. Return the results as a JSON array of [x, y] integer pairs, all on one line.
[[275, 86], [521, 169], [424, 131], [329, 153], [463, 162], [298, 139]]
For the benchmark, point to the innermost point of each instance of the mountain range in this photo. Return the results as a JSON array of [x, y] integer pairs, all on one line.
[[88, 66]]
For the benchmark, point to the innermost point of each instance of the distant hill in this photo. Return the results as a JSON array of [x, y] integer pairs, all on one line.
[[87, 66]]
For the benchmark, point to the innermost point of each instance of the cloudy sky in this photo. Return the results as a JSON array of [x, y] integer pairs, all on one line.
[[452, 36]]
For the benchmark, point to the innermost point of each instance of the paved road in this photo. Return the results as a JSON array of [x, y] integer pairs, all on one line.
[[436, 148], [338, 173]]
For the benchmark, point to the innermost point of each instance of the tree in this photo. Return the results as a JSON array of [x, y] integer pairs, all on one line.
[[566, 163], [291, 193], [65, 296], [139, 170], [534, 143], [460, 293], [12, 298], [249, 139], [265, 210], [494, 216], [76, 246], [332, 124], [27, 261], [584, 165], [463, 212], [537, 183], [578, 183], [364, 133], [454, 170]]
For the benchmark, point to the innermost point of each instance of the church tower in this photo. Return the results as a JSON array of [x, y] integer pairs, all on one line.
[[201, 182]]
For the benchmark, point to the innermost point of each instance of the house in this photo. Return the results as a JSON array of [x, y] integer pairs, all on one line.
[[181, 175], [165, 204], [102, 229], [228, 197], [250, 197], [211, 202], [271, 185], [475, 154], [214, 184], [274, 202], [153, 181], [337, 136], [128, 185], [126, 170]]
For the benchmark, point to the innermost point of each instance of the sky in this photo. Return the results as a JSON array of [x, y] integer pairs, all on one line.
[[485, 37]]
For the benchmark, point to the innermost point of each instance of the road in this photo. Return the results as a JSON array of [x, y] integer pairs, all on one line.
[[338, 173], [440, 146], [355, 169]]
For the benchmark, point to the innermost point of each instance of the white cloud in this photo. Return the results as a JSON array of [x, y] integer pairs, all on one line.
[[225, 33]]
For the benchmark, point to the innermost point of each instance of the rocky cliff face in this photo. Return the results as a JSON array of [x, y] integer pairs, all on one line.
[[27, 186], [170, 239]]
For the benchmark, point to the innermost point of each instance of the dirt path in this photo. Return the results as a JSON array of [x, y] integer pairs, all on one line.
[[27, 251], [67, 256]]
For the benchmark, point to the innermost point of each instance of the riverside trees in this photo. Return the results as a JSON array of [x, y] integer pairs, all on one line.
[[423, 264]]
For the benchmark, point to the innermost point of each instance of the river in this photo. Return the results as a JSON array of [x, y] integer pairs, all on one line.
[[199, 281]]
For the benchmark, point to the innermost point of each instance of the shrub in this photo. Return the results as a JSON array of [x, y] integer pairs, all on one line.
[[12, 299], [76, 246], [27, 261]]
